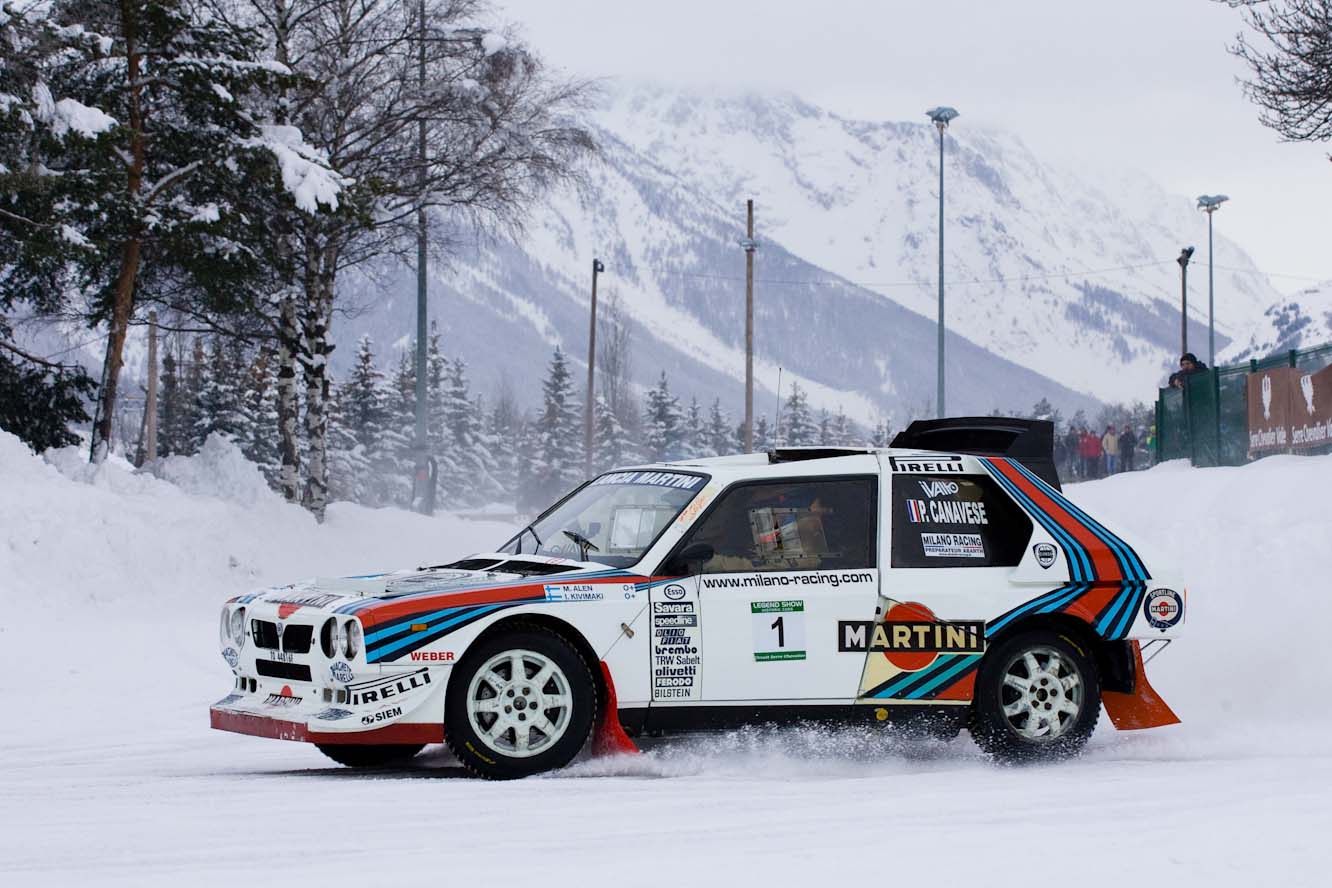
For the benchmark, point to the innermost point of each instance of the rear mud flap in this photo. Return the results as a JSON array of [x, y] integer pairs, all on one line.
[[1141, 709]]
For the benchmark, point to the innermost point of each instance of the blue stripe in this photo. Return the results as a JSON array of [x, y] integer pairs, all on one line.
[[1079, 563], [1131, 611], [380, 652], [1063, 592], [913, 677], [406, 623], [1134, 569], [933, 683], [1103, 624]]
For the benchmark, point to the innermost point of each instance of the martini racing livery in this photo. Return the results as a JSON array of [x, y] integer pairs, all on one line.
[[928, 589]]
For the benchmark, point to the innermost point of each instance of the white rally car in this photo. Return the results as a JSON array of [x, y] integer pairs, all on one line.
[[941, 583]]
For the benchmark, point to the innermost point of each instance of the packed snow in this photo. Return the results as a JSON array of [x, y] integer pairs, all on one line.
[[112, 580]]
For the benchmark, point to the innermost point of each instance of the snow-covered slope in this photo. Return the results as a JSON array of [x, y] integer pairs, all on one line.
[[1056, 273], [1300, 320], [110, 776]]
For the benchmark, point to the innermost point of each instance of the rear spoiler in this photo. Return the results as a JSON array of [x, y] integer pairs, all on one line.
[[1029, 441]]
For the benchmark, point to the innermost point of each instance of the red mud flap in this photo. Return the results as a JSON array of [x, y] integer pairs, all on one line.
[[609, 737], [277, 729], [1143, 708]]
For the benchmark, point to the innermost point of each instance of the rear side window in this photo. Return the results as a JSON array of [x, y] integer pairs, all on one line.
[[957, 521]]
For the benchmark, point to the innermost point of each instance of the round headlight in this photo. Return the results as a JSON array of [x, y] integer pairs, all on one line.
[[339, 638], [354, 638], [328, 638], [238, 626], [224, 631]]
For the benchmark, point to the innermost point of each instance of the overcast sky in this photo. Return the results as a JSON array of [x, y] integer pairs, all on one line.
[[1127, 84]]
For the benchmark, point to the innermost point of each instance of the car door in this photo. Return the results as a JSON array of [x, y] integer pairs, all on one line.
[[786, 561]]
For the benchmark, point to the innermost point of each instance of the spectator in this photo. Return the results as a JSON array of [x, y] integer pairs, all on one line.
[[1090, 450], [1128, 445], [1110, 447], [1071, 443], [1188, 365]]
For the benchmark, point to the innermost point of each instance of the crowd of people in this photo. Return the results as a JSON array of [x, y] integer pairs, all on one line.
[[1083, 454]]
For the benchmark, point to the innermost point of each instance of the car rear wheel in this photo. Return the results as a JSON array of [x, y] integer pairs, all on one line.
[[1038, 697], [370, 756], [519, 703]]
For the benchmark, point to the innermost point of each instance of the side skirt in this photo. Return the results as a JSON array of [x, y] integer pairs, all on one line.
[[927, 720]]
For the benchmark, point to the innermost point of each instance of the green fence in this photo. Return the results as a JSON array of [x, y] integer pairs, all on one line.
[[1207, 421]]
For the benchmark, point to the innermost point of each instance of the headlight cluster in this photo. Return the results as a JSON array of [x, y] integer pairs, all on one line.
[[341, 639], [233, 626]]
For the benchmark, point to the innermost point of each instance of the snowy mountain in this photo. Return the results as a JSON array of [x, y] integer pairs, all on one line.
[[1300, 320], [1056, 286]]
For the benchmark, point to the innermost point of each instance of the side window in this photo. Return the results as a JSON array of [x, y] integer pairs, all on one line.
[[791, 525], [955, 521]]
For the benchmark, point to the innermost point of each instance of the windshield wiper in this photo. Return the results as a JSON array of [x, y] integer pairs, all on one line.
[[527, 529], [584, 544]]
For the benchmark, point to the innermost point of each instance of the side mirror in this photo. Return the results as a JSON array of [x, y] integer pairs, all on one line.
[[693, 554]]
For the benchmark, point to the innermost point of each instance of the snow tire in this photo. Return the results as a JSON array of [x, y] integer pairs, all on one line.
[[370, 755]]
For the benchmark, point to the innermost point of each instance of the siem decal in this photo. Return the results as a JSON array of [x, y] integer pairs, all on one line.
[[383, 689], [1163, 608], [381, 715], [1045, 554]]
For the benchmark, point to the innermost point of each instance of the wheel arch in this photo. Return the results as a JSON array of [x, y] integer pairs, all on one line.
[[564, 630], [1113, 659]]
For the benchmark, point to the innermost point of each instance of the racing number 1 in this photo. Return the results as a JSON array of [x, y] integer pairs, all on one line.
[[785, 617], [781, 632]]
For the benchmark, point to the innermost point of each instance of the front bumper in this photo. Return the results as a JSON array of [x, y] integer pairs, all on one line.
[[273, 728]]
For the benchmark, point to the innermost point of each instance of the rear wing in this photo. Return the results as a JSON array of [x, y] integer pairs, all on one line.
[[1029, 441]]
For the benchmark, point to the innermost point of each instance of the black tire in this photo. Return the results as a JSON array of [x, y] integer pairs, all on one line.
[[485, 757], [370, 756], [1007, 737]]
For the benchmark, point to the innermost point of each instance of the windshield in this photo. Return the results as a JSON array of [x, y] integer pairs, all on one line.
[[613, 520]]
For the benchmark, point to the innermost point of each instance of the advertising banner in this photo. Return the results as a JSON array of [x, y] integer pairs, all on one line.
[[1289, 409]]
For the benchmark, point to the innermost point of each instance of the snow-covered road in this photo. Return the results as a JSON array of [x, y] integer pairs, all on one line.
[[109, 775]]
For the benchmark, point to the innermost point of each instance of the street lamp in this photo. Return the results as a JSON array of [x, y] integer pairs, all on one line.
[[597, 268], [1184, 256], [941, 116], [749, 245], [1209, 204]]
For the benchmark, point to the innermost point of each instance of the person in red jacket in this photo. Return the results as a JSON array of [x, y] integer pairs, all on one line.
[[1089, 448]]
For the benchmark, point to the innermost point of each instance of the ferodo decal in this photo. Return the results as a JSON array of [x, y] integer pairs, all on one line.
[[779, 630], [381, 690], [913, 656], [1164, 608]]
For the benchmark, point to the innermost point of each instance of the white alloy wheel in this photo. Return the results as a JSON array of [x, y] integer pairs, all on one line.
[[519, 703], [1042, 694]]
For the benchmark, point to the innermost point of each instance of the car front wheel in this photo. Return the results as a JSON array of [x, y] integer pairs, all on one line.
[[519, 703], [370, 756], [1038, 697]]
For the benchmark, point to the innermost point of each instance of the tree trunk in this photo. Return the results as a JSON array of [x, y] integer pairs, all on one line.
[[318, 317], [122, 306], [289, 344]]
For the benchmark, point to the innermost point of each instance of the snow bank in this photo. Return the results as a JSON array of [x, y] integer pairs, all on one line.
[[195, 530]]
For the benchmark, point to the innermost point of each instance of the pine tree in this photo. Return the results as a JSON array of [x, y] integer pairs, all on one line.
[[798, 428], [697, 445], [503, 431], [221, 398], [719, 437], [557, 463], [825, 428], [762, 436], [170, 409], [610, 441], [193, 378], [881, 434], [664, 433], [842, 433]]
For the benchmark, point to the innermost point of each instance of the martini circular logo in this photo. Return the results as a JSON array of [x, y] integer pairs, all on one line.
[[1163, 608], [910, 612]]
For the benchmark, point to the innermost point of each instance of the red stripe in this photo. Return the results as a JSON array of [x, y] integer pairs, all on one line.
[[277, 729], [1105, 567], [376, 615]]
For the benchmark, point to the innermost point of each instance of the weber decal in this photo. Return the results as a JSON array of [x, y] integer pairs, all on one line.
[[382, 690], [1163, 608], [952, 545], [676, 643]]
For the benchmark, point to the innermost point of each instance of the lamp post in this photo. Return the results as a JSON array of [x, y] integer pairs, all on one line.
[[941, 116], [1209, 204], [597, 268], [1184, 256], [749, 245]]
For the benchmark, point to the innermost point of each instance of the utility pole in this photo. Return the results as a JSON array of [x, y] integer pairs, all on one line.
[[749, 245], [150, 408], [941, 116], [1184, 256], [597, 268], [1209, 204], [425, 501]]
